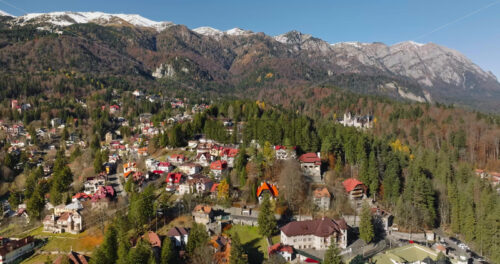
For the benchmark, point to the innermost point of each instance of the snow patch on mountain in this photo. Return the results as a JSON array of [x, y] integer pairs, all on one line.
[[208, 31], [3, 13], [213, 32], [238, 32], [70, 18]]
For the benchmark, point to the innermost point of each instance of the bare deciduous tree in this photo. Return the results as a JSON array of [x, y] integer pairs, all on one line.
[[293, 185]]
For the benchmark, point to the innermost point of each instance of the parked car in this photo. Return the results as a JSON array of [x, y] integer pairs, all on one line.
[[463, 246]]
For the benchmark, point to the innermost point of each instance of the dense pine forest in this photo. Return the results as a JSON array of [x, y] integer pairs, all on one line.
[[424, 187]]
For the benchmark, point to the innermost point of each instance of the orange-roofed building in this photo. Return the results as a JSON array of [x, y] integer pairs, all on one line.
[[153, 239], [264, 188], [202, 214], [355, 188], [129, 168], [222, 247]]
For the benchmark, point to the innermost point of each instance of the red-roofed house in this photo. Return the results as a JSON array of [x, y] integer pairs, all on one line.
[[214, 190], [103, 192], [264, 188], [284, 153], [218, 167], [114, 108], [173, 180], [315, 234], [355, 188], [81, 197], [228, 155], [310, 163], [285, 251], [165, 166]]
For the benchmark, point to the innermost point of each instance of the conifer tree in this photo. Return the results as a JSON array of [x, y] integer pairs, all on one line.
[[198, 237], [168, 254], [366, 230], [373, 174], [237, 251], [332, 255], [266, 220]]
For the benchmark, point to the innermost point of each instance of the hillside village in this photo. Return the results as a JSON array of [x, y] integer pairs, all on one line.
[[205, 172]]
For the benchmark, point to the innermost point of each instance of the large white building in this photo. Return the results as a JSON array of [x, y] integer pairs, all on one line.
[[357, 121], [12, 249], [315, 234]]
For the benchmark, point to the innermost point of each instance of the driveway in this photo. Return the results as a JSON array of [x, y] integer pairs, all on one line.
[[114, 180]]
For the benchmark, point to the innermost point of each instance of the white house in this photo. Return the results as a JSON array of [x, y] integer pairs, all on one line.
[[197, 184], [165, 166], [92, 184], [321, 198], [202, 214], [152, 164], [12, 249], [179, 235], [204, 159], [70, 222], [284, 153], [285, 251], [190, 168], [218, 167], [315, 234], [310, 163]]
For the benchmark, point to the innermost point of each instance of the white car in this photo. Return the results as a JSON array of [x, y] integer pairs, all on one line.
[[463, 246]]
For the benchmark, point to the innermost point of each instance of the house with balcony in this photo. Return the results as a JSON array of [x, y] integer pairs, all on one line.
[[310, 164], [355, 189]]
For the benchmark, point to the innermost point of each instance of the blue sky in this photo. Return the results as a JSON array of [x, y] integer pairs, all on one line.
[[388, 21]]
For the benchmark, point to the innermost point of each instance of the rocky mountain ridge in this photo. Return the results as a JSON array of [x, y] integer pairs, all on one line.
[[418, 72]]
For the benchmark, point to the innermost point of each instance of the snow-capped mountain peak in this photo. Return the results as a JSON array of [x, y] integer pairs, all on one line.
[[208, 31], [213, 32], [238, 32], [70, 18], [3, 13]]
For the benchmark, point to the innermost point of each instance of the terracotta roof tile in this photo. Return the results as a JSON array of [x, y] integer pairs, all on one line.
[[351, 183]]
